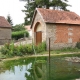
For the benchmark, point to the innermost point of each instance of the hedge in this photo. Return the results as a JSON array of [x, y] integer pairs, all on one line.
[[19, 34]]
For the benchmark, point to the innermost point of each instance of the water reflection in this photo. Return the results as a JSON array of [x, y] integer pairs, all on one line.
[[16, 73], [63, 70], [40, 69]]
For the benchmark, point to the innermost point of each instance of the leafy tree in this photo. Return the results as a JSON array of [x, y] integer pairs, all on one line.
[[9, 19], [18, 27], [30, 7], [29, 10], [59, 4]]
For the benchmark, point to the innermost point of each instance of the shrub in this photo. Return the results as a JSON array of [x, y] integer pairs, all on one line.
[[3, 50], [7, 49], [29, 49], [19, 34], [22, 49], [18, 27], [41, 47], [12, 50], [78, 45]]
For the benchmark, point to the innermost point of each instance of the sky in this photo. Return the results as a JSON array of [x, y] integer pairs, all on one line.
[[14, 7]]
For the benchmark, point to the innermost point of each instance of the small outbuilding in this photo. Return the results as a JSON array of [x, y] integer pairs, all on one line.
[[62, 27], [27, 27], [5, 31]]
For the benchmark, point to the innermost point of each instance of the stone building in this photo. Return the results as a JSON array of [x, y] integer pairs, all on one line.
[[5, 31], [62, 27]]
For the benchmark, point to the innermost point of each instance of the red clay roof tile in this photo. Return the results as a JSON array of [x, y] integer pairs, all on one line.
[[4, 22], [57, 16]]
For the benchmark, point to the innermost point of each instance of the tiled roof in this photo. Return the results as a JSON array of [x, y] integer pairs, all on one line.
[[57, 16], [4, 22]]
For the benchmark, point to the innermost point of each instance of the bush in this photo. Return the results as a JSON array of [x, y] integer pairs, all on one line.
[[19, 34], [41, 47], [78, 45], [18, 27], [29, 48], [7, 49], [12, 50]]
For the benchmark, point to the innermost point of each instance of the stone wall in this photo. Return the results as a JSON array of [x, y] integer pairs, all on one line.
[[39, 19], [62, 36], [5, 35], [50, 33]]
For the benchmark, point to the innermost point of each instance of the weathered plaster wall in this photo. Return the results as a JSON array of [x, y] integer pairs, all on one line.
[[39, 27], [5, 35]]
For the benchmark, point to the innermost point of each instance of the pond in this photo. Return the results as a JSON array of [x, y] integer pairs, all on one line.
[[39, 68]]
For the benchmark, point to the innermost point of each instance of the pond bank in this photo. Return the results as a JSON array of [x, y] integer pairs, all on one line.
[[73, 57]]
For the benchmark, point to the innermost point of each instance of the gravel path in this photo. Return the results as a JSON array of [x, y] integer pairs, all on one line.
[[23, 42]]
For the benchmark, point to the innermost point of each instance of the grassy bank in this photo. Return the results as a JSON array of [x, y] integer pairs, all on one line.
[[11, 51], [74, 54]]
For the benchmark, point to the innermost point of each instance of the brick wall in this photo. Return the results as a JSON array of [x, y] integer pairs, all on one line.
[[67, 33], [62, 35]]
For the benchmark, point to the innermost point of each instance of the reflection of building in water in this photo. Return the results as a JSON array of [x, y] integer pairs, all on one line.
[[60, 69], [40, 70]]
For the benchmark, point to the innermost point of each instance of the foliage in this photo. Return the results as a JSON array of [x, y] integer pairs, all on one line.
[[19, 34], [29, 10], [12, 50], [9, 19], [78, 45], [29, 48], [18, 27], [30, 7], [59, 4], [40, 47]]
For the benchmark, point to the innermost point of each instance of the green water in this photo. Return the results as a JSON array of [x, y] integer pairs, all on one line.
[[40, 69]]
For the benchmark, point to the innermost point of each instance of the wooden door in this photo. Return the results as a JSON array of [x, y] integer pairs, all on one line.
[[38, 37]]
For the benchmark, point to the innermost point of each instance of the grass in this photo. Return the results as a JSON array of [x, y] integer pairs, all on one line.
[[67, 52], [2, 56]]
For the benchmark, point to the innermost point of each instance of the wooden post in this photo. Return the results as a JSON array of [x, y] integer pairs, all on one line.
[[49, 59], [49, 50]]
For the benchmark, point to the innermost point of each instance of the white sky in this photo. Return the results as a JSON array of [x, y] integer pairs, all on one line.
[[14, 7]]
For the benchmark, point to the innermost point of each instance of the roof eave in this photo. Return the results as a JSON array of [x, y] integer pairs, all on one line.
[[61, 23], [33, 18]]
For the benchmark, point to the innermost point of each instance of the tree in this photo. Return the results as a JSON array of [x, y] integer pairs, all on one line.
[[18, 27], [29, 10], [30, 7], [59, 4], [9, 19]]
